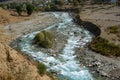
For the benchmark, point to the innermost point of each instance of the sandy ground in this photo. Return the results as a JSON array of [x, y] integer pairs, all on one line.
[[104, 17]]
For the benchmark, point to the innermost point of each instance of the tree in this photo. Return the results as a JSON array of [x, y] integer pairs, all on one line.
[[29, 8], [4, 6], [19, 10], [12, 5]]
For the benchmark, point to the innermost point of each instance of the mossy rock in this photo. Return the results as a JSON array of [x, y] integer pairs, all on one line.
[[44, 39]]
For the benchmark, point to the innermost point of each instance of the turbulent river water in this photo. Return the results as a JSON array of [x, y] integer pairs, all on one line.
[[65, 64]]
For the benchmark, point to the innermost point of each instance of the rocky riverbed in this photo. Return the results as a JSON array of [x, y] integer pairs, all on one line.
[[99, 64]]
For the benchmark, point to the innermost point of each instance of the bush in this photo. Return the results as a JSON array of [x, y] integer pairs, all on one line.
[[44, 39], [29, 8], [13, 5], [41, 68], [104, 47], [4, 6], [19, 9]]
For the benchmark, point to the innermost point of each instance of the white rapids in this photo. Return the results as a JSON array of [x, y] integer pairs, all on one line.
[[65, 64]]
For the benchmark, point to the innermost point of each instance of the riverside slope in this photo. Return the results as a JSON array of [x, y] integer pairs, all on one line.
[[14, 65]]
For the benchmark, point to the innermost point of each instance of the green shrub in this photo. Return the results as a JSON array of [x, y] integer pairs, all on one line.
[[41, 68], [29, 8], [4, 6], [104, 47], [44, 39], [19, 9], [13, 5]]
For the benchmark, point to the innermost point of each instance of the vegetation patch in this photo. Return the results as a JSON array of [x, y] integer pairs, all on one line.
[[44, 39], [29, 8], [102, 46], [41, 68], [113, 29]]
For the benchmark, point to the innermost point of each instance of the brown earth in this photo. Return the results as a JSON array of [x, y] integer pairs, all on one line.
[[8, 17], [15, 66]]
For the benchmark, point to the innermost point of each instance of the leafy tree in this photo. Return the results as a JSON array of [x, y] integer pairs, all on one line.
[[29, 8], [19, 9], [4, 6], [13, 5]]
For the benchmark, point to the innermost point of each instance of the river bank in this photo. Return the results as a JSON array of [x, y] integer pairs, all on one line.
[[104, 66]]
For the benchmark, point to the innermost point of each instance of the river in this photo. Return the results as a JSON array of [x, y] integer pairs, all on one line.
[[65, 64]]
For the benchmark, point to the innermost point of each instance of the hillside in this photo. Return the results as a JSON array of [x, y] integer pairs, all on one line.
[[13, 65]]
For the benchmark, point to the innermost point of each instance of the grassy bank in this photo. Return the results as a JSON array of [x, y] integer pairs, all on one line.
[[102, 46]]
